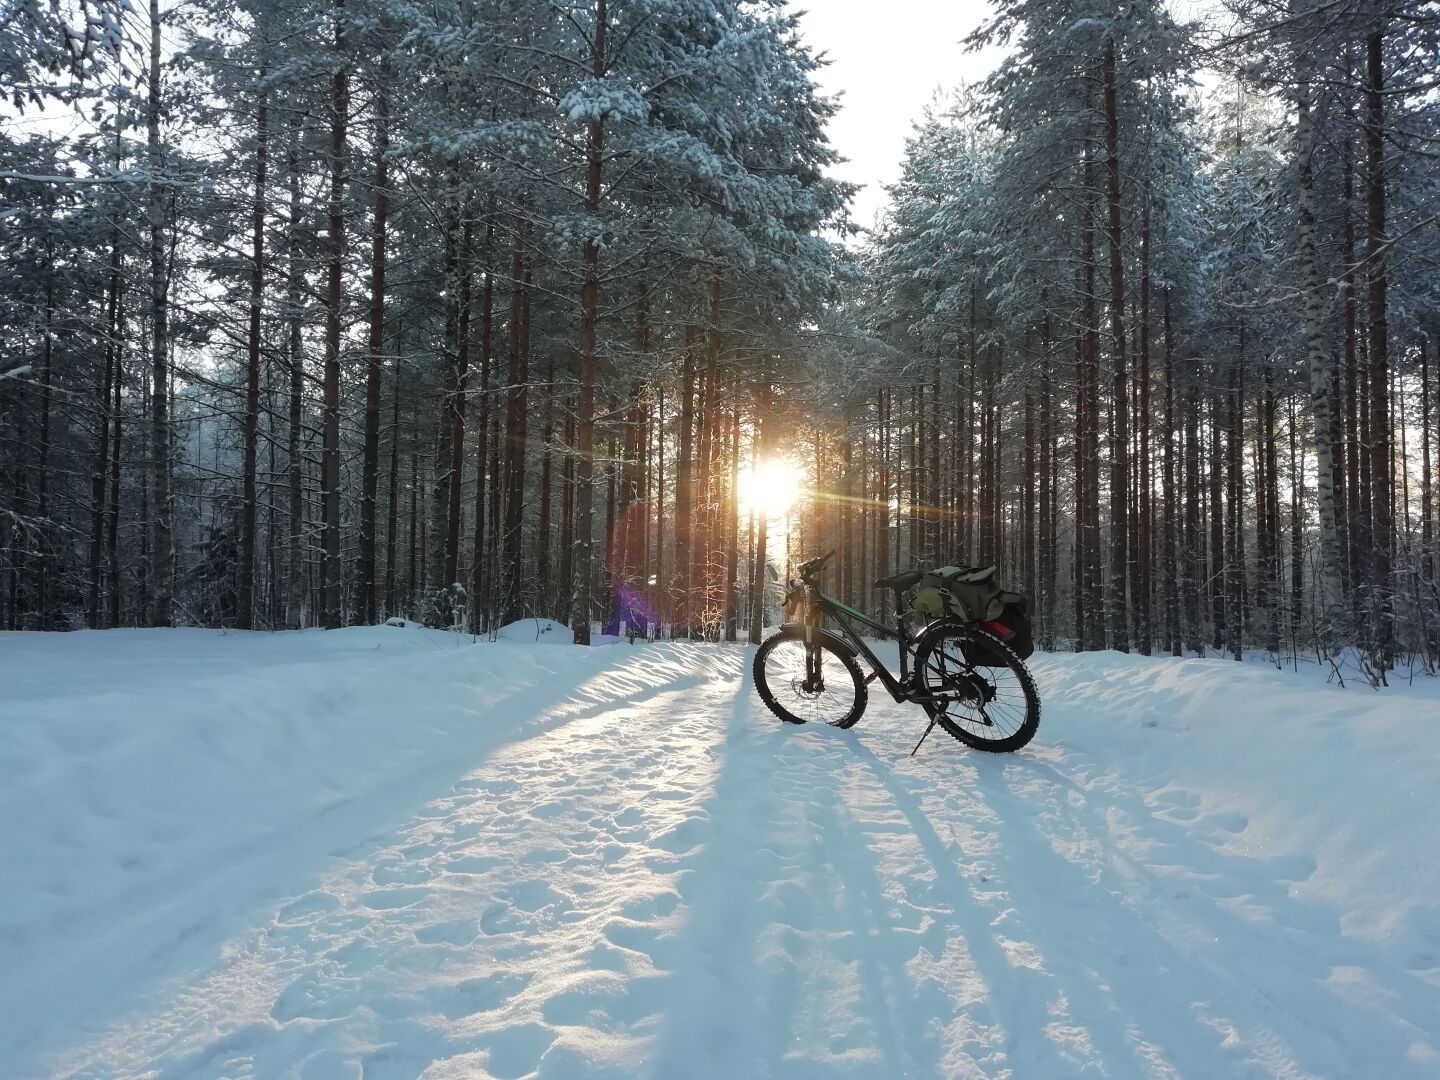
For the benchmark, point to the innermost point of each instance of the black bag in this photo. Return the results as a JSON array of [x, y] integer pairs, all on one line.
[[972, 593], [1015, 618]]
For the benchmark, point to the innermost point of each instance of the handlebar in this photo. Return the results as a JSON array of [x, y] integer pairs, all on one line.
[[807, 570]]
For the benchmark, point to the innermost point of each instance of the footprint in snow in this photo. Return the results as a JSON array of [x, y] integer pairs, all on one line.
[[303, 907], [649, 908], [455, 932], [545, 855], [500, 919], [682, 838], [535, 895], [478, 995], [1232, 823], [402, 873], [308, 999], [387, 899], [610, 1005], [470, 864], [516, 1051]]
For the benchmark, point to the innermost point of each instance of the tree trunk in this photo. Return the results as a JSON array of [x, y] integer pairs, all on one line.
[[1143, 552], [732, 533], [684, 494], [461, 374], [517, 398], [161, 583], [1169, 541], [47, 551], [657, 581], [1219, 570], [1027, 567], [1045, 590], [1297, 525], [1381, 453], [1234, 505], [1427, 476], [112, 527], [298, 547], [249, 509], [882, 522], [589, 318], [1345, 454], [547, 465], [413, 575], [479, 609], [1090, 613], [1332, 620], [705, 481], [1268, 495], [330, 570], [1192, 553], [375, 355], [102, 440], [762, 523], [1120, 448], [565, 575], [392, 507]]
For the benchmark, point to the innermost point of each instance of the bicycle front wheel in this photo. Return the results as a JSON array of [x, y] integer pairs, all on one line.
[[986, 693], [826, 688]]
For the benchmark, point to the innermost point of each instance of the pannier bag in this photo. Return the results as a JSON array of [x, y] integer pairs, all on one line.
[[973, 594]]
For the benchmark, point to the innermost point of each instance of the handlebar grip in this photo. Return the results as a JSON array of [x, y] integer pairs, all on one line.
[[805, 569]]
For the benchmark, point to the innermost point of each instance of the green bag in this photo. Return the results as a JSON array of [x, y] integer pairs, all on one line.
[[967, 592]]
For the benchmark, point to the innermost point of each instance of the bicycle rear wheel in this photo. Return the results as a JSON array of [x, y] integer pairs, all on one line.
[[830, 690], [987, 706]]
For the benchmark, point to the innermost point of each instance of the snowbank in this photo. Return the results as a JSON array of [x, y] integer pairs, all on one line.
[[536, 631], [1283, 762]]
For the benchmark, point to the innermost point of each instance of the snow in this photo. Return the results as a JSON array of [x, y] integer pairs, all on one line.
[[540, 631], [403, 852]]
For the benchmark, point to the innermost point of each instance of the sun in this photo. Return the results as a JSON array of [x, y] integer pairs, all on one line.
[[771, 488]]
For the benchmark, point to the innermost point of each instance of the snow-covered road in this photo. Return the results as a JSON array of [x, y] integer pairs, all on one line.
[[298, 855]]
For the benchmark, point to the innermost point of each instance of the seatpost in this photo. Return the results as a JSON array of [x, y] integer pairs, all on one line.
[[902, 633]]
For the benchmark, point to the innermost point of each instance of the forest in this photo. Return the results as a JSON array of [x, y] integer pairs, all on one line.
[[327, 312]]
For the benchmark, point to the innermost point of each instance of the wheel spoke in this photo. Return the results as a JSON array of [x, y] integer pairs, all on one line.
[[988, 703], [785, 670]]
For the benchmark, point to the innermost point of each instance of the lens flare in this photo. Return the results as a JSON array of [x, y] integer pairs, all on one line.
[[771, 488]]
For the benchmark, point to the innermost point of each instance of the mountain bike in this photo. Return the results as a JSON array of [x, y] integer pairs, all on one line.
[[960, 672]]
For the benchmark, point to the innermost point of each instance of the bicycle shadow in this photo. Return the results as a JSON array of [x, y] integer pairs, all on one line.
[[1176, 966], [818, 966]]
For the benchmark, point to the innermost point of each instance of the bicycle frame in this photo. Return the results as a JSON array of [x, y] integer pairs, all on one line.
[[818, 605]]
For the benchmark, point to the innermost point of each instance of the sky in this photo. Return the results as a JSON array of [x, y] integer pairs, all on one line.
[[888, 59]]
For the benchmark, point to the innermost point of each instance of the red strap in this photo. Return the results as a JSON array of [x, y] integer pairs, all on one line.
[[1000, 630]]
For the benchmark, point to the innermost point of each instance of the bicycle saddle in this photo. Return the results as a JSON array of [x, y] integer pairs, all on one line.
[[901, 581]]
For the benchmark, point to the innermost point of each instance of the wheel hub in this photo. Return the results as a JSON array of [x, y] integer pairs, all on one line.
[[971, 687], [808, 688]]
